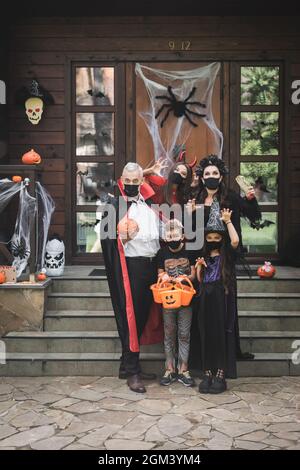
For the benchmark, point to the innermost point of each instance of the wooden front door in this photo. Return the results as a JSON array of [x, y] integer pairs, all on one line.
[[97, 151]]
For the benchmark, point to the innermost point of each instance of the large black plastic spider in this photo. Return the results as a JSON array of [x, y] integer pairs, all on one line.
[[18, 249], [179, 108]]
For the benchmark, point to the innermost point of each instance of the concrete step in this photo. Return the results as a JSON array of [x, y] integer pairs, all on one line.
[[86, 284], [97, 320], [99, 284], [108, 341], [254, 320], [246, 301], [269, 301], [79, 301], [80, 320], [107, 364]]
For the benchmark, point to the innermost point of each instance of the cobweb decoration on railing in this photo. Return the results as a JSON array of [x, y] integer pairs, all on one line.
[[166, 129], [20, 242]]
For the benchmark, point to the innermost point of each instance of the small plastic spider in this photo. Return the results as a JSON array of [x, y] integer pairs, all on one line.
[[179, 108]]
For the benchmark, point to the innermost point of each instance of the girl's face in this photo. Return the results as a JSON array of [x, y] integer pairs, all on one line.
[[212, 171], [182, 170], [213, 237]]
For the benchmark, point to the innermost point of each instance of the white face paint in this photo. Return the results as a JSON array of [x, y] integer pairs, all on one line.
[[55, 257], [34, 109]]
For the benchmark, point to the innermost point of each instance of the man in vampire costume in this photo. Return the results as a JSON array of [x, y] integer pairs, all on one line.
[[131, 268]]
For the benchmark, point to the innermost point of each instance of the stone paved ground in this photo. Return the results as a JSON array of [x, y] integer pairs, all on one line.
[[102, 413]]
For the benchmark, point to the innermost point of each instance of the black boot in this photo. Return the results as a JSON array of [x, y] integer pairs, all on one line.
[[218, 385], [205, 384]]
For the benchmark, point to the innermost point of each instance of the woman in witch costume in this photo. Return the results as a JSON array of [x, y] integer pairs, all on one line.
[[211, 172], [215, 304]]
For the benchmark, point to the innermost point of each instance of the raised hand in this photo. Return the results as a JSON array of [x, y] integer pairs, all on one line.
[[226, 215], [200, 262]]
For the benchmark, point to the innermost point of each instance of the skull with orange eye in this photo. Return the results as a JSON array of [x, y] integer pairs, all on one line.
[[34, 109]]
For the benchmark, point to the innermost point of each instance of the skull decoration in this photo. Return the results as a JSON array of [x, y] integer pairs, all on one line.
[[55, 257], [34, 97], [34, 109]]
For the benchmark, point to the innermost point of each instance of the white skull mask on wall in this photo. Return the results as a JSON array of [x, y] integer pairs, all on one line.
[[34, 109], [55, 257]]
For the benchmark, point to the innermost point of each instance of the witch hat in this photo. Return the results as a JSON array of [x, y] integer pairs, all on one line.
[[34, 90], [215, 223]]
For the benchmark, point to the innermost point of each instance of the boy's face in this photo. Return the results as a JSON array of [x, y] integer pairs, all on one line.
[[213, 237], [173, 235]]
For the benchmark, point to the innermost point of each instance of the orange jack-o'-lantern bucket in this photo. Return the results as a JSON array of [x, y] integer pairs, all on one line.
[[158, 288], [171, 298], [187, 292]]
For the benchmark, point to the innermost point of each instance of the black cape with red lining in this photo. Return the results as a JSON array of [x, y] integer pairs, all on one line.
[[119, 285]]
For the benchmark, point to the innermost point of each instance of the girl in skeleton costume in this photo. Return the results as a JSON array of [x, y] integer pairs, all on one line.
[[211, 172], [215, 305]]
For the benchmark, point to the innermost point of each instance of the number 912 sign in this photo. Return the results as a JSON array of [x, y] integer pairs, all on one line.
[[296, 94]]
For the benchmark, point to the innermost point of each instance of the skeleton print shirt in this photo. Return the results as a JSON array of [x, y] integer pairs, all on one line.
[[175, 264]]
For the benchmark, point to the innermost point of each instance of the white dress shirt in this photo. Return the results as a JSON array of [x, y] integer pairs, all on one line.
[[146, 241]]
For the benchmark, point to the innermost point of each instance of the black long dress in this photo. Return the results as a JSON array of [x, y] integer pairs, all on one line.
[[241, 207], [215, 318]]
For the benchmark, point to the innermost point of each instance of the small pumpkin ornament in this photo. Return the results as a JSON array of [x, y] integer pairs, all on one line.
[[17, 179], [2, 277], [266, 270], [31, 158], [127, 227], [41, 276]]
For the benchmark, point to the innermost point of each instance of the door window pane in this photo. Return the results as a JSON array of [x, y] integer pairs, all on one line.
[[95, 86], [88, 232], [94, 134], [93, 181], [263, 176], [259, 133], [260, 85], [263, 240]]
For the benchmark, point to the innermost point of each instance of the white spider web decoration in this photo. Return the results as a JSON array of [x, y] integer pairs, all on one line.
[[176, 131]]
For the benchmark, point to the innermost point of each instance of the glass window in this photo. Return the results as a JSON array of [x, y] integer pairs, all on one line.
[[260, 85], [263, 240], [95, 86], [88, 232], [259, 133], [263, 176], [94, 134], [93, 181]]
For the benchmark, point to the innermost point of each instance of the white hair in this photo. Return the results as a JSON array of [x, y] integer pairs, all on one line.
[[133, 166]]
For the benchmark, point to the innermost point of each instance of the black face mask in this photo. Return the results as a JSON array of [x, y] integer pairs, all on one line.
[[211, 183], [177, 178], [214, 245], [174, 244], [131, 190]]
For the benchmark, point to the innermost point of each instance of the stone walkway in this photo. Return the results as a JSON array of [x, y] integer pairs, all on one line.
[[101, 413]]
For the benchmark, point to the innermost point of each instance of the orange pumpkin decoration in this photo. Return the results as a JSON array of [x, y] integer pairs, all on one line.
[[2, 277], [31, 158], [17, 179], [127, 227], [41, 277], [266, 270]]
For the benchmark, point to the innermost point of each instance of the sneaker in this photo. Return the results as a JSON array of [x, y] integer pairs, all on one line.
[[218, 385], [205, 384], [168, 378], [186, 379]]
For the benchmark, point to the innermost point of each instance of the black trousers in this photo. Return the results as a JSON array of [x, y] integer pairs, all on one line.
[[142, 273]]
